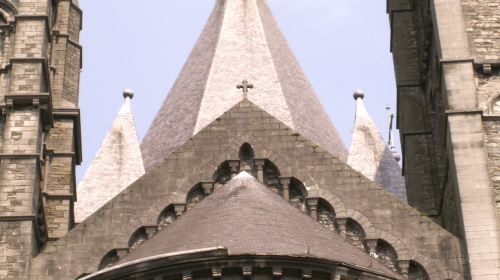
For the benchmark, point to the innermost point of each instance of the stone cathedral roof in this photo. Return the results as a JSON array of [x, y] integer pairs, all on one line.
[[241, 41], [117, 164], [247, 218], [370, 155]]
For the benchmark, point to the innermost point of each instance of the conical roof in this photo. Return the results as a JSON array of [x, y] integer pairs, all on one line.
[[117, 164], [247, 218], [241, 41], [370, 155]]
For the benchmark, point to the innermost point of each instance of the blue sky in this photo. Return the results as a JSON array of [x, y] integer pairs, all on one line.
[[342, 45]]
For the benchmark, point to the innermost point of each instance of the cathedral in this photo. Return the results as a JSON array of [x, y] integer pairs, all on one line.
[[242, 175]]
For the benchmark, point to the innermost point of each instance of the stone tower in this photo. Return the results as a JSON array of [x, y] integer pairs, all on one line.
[[447, 59], [39, 127]]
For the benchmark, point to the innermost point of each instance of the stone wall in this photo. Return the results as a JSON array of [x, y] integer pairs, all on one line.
[[381, 215], [483, 28], [492, 128]]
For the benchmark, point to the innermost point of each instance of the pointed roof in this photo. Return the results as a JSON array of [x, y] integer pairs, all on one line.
[[241, 41], [370, 155], [117, 164], [247, 218]]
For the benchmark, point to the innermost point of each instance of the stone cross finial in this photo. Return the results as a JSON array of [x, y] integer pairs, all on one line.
[[245, 86]]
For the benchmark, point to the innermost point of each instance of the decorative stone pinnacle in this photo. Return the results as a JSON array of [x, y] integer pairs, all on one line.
[[358, 94], [128, 93]]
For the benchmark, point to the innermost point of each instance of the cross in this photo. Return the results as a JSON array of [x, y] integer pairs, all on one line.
[[245, 86]]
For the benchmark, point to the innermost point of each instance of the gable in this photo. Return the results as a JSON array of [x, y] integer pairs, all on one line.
[[382, 217]]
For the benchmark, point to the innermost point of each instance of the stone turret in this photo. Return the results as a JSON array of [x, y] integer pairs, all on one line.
[[370, 155], [117, 164]]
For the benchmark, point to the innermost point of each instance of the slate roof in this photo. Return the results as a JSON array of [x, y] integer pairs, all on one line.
[[371, 156], [247, 218], [241, 41], [117, 164]]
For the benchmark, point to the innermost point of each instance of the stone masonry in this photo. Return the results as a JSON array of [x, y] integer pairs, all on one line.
[[39, 135], [447, 53]]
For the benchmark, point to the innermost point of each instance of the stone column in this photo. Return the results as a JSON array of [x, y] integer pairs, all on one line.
[[151, 231], [208, 188], [217, 273], [285, 183], [247, 272], [277, 272], [260, 169], [342, 223], [312, 204], [234, 167], [372, 247], [64, 137], [404, 266], [179, 209]]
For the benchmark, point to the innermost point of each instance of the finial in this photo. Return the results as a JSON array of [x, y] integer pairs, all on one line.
[[128, 93], [358, 94], [396, 157], [245, 85]]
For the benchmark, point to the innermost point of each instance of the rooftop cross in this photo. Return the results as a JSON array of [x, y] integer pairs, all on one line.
[[245, 86]]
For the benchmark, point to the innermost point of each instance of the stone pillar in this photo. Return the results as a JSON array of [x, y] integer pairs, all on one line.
[[151, 231], [312, 204], [217, 273], [285, 183], [234, 168], [277, 272], [64, 137], [372, 247], [342, 223], [468, 158], [247, 272], [259, 163], [208, 188], [306, 274], [179, 209], [404, 266], [186, 275]]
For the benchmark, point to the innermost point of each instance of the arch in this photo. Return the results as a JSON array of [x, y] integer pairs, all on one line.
[[387, 255], [355, 234], [246, 152], [432, 269], [364, 222], [395, 242], [272, 174], [137, 238], [194, 196], [109, 259], [166, 217], [298, 194], [326, 215], [333, 200], [494, 106], [417, 272], [8, 11]]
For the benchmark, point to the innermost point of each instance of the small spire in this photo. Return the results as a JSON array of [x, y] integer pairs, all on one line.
[[371, 155], [128, 93], [390, 142], [358, 94]]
